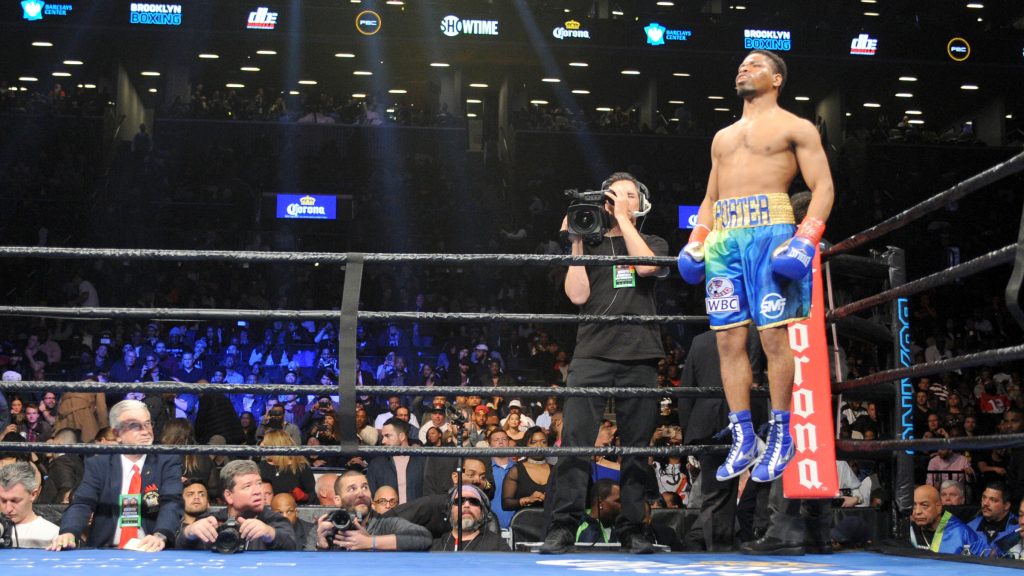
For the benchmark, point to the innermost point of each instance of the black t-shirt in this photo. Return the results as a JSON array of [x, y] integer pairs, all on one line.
[[619, 341]]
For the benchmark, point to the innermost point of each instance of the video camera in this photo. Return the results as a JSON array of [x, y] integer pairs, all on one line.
[[587, 216]]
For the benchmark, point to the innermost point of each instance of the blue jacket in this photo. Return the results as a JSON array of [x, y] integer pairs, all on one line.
[[100, 489], [1007, 531], [951, 537]]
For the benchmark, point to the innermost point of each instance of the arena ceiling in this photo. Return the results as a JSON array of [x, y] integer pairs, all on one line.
[[410, 57]]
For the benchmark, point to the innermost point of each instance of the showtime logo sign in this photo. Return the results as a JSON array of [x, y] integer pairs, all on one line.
[[262, 19]]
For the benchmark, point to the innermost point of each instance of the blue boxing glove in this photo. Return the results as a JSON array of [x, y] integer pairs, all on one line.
[[691, 257], [793, 258]]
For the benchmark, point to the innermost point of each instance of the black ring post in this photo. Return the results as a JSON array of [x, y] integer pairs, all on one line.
[[903, 422], [347, 360]]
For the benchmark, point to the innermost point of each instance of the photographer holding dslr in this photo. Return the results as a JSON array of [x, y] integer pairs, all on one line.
[[620, 355], [248, 523], [356, 526]]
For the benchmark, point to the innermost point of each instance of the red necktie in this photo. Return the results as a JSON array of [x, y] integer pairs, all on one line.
[[134, 487]]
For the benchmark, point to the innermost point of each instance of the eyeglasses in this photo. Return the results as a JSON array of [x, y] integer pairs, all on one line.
[[469, 500], [388, 501], [136, 426]]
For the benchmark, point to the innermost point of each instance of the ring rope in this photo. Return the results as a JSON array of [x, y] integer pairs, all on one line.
[[1004, 255], [887, 447], [989, 442], [328, 257], [998, 355], [449, 391], [438, 451], [369, 316], [956, 192]]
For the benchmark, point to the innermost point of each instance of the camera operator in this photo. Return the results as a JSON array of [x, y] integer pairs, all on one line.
[[611, 355], [258, 526], [315, 413], [274, 419], [355, 525]]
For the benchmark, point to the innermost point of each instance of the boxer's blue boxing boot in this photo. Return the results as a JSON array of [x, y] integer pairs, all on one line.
[[779, 451], [745, 447]]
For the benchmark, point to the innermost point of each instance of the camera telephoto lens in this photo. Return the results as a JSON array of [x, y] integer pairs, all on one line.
[[229, 539], [341, 520]]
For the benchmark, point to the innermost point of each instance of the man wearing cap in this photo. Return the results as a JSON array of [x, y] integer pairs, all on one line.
[[437, 420], [481, 371], [473, 517], [477, 426], [432, 511], [516, 407]]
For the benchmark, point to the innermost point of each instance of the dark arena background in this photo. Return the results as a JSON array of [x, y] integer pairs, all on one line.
[[287, 193]]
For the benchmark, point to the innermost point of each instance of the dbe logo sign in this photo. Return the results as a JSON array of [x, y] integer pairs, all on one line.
[[262, 19], [368, 22], [453, 26], [864, 45], [297, 207]]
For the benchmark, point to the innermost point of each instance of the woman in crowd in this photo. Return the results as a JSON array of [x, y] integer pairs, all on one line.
[[511, 428], [105, 436], [249, 425], [291, 474], [178, 432], [527, 481], [17, 407]]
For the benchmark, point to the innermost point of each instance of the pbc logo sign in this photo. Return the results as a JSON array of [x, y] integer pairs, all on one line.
[[958, 49], [368, 22], [262, 19]]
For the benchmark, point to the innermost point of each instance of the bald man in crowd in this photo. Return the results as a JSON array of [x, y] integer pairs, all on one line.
[[284, 504], [325, 488], [938, 530], [384, 499]]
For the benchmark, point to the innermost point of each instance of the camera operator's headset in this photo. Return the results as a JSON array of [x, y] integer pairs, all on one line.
[[645, 194]]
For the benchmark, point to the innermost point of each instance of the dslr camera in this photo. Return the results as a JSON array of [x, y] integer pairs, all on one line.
[[341, 520], [229, 538], [587, 216]]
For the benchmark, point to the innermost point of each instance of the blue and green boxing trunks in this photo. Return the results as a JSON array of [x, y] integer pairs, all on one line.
[[740, 286]]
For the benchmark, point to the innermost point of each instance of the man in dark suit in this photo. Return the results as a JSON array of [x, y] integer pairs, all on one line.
[[385, 470], [702, 418], [135, 500]]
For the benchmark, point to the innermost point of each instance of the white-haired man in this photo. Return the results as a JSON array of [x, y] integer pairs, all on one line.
[[133, 499]]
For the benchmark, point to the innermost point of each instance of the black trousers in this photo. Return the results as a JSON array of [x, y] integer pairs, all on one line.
[[636, 419], [715, 526], [803, 521]]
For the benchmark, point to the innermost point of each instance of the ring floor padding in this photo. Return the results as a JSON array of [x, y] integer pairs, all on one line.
[[193, 563]]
